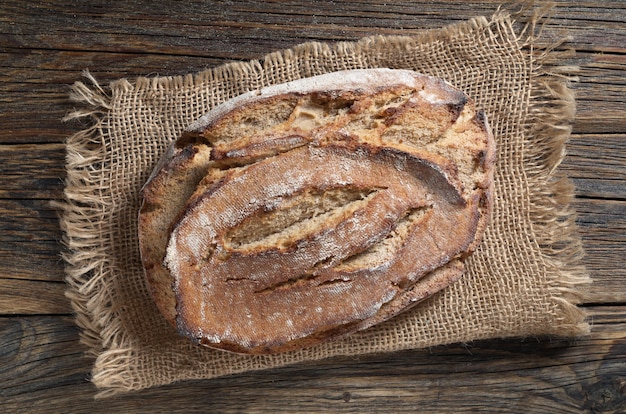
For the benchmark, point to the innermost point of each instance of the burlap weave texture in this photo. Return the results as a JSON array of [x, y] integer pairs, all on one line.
[[522, 280]]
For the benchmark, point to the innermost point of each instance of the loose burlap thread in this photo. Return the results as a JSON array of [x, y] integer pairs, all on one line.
[[523, 280]]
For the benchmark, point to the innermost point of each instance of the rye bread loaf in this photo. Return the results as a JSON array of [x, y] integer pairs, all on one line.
[[303, 211]]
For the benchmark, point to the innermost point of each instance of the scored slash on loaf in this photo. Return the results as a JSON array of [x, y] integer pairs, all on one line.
[[305, 211]]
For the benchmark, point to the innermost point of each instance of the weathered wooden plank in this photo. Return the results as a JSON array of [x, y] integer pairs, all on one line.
[[229, 26], [39, 354], [43, 370], [33, 297], [30, 237], [600, 69], [600, 91], [596, 163], [602, 225], [32, 171], [107, 26], [18, 109], [28, 220], [45, 97], [60, 69], [30, 259]]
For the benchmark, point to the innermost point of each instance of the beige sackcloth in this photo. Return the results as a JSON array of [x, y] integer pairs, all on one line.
[[522, 281]]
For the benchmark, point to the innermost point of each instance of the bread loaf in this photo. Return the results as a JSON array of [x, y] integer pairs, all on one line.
[[304, 211]]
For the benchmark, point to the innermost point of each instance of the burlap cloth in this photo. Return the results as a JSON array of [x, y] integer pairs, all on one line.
[[521, 282]]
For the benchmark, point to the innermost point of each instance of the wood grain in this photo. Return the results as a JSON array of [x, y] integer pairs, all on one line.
[[45, 45], [21, 258], [32, 171], [593, 179], [33, 297], [557, 376]]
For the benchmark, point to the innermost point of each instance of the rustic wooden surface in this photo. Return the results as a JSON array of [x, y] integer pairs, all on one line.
[[45, 45]]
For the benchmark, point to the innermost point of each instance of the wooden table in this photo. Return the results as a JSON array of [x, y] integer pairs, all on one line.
[[45, 45]]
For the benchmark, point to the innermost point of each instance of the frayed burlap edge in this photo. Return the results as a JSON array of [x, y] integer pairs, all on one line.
[[551, 111], [552, 108], [83, 213]]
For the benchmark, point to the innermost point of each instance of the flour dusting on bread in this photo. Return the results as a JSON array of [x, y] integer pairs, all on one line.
[[305, 211]]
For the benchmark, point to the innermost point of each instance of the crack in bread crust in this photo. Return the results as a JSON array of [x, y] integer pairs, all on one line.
[[304, 211], [290, 218]]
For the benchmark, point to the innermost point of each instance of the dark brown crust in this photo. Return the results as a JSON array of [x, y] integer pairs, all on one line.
[[153, 232], [457, 217]]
